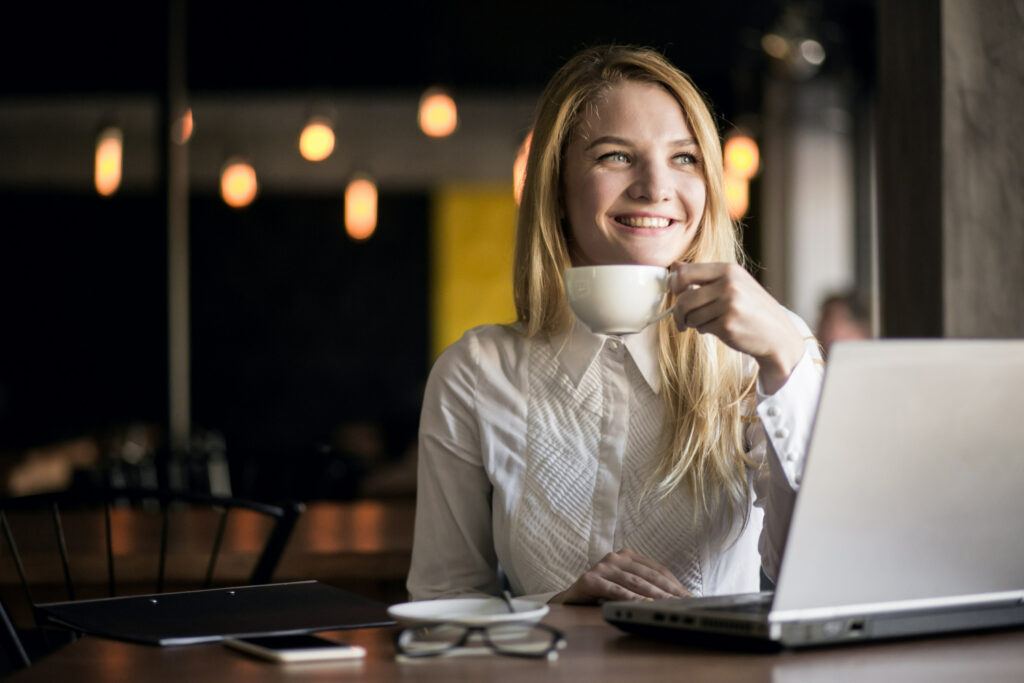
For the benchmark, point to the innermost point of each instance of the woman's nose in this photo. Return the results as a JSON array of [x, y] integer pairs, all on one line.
[[651, 184]]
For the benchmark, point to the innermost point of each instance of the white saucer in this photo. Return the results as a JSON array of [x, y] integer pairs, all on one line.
[[468, 611]]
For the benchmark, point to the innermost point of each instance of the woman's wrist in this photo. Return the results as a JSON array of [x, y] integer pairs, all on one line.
[[776, 367]]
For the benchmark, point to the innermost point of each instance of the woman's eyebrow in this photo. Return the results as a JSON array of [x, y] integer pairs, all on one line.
[[607, 140], [613, 140]]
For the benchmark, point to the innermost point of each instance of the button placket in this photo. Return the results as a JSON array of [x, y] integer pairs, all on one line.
[[614, 427]]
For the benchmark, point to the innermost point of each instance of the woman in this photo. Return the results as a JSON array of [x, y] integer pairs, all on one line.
[[579, 467]]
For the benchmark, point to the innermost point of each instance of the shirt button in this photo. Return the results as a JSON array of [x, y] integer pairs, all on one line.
[[773, 411], [791, 456], [797, 479], [613, 345], [781, 433]]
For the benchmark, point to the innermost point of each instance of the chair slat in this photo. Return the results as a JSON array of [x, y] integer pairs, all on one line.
[[58, 527], [216, 546], [12, 636], [163, 546], [110, 550], [13, 547]]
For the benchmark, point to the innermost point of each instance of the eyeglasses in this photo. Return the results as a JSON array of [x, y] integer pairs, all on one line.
[[517, 639]]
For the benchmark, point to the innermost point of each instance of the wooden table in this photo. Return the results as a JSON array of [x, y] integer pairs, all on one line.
[[596, 652]]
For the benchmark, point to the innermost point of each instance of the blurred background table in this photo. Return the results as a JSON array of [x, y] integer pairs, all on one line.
[[363, 546]]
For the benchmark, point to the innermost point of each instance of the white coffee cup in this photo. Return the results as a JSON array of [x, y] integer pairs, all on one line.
[[619, 299]]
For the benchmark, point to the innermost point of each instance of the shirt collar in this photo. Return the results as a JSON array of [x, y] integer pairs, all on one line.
[[577, 349]]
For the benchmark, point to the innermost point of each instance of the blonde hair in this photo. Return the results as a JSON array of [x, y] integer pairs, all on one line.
[[704, 383]]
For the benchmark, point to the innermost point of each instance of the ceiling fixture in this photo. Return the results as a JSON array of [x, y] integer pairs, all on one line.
[[792, 44], [742, 156], [438, 115], [317, 139], [741, 160], [360, 207], [181, 131], [238, 183], [109, 153]]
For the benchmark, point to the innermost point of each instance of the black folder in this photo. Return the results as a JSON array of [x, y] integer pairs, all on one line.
[[213, 614]]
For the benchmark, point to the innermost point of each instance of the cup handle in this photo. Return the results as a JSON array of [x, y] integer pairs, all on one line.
[[658, 317]]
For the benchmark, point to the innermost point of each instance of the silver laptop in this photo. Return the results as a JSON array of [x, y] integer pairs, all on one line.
[[910, 517]]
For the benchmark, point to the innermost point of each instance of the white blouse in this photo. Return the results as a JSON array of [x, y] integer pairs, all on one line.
[[534, 452]]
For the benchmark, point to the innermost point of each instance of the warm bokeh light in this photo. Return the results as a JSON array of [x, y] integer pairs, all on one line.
[[238, 184], [812, 51], [317, 140], [109, 151], [775, 45], [519, 167], [737, 195], [742, 156], [360, 208], [182, 129], [438, 115]]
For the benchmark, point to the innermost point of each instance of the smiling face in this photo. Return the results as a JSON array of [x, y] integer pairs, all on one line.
[[633, 180]]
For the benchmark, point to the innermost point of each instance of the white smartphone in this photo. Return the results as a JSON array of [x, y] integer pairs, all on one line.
[[296, 648]]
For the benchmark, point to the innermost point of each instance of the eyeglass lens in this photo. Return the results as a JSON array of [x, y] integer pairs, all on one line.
[[512, 639]]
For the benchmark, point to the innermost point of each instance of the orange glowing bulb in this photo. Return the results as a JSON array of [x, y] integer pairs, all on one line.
[[438, 115], [109, 152], [737, 195], [317, 140], [742, 156], [182, 129], [238, 184], [360, 208]]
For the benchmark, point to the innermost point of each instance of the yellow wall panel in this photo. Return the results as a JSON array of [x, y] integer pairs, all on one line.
[[472, 239]]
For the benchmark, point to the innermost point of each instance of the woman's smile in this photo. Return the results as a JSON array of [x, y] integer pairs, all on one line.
[[639, 223]]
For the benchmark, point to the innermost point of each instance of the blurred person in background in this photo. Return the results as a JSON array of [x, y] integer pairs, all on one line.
[[842, 316]]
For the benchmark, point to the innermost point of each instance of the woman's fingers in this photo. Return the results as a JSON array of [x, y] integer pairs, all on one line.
[[663, 578], [691, 307], [684, 275], [623, 576], [725, 300], [639, 580]]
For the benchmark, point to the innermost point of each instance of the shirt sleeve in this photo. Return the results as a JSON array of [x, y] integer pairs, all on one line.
[[453, 549], [779, 441]]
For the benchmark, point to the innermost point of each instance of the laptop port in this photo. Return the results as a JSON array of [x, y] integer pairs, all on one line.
[[855, 627], [658, 616]]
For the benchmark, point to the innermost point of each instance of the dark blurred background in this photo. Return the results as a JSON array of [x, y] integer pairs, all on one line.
[[309, 350]]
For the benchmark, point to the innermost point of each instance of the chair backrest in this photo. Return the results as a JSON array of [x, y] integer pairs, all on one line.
[[95, 542]]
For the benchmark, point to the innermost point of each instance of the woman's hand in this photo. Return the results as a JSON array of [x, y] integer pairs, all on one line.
[[725, 300], [623, 576]]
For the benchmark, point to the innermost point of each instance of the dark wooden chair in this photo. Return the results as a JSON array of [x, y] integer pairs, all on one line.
[[106, 542]]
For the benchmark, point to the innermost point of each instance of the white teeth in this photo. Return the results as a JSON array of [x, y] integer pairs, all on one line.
[[644, 221]]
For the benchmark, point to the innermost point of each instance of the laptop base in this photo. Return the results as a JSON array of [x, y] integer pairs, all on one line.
[[705, 628]]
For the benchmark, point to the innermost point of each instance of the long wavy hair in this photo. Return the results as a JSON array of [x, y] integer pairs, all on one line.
[[705, 385]]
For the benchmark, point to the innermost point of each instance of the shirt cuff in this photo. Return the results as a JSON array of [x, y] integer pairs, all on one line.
[[788, 415], [538, 597]]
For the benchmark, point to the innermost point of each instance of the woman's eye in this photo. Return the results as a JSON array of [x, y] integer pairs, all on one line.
[[686, 159], [614, 156]]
